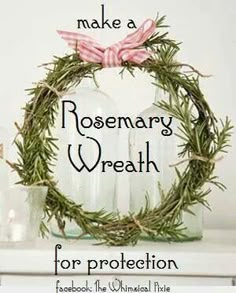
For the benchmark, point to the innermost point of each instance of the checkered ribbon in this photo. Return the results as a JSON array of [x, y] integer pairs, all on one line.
[[112, 56]]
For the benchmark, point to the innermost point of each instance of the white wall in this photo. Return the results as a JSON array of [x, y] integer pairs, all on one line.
[[206, 27]]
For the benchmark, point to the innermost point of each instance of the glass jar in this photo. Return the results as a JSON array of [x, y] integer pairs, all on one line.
[[163, 150], [4, 174], [4, 169], [22, 212], [83, 143]]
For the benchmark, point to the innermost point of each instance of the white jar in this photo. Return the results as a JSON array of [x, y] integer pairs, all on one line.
[[95, 189], [163, 151]]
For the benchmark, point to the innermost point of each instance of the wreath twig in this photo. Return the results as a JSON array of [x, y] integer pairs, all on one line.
[[199, 130]]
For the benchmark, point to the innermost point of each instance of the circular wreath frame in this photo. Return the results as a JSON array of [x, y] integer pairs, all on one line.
[[199, 131]]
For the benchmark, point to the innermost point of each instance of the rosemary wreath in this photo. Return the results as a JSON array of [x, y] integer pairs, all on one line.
[[202, 140]]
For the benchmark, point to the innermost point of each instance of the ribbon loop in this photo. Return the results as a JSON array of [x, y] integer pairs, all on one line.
[[112, 56]]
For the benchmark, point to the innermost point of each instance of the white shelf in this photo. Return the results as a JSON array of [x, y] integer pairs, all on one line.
[[214, 256]]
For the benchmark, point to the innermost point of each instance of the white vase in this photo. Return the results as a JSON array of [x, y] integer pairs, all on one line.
[[95, 189], [163, 151], [4, 176]]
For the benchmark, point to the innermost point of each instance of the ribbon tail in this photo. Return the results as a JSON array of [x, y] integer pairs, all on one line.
[[85, 46], [73, 39], [89, 53]]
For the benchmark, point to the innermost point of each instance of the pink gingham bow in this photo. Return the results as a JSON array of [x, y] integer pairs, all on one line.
[[112, 56]]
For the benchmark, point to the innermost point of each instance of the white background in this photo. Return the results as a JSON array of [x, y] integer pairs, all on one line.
[[206, 28]]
